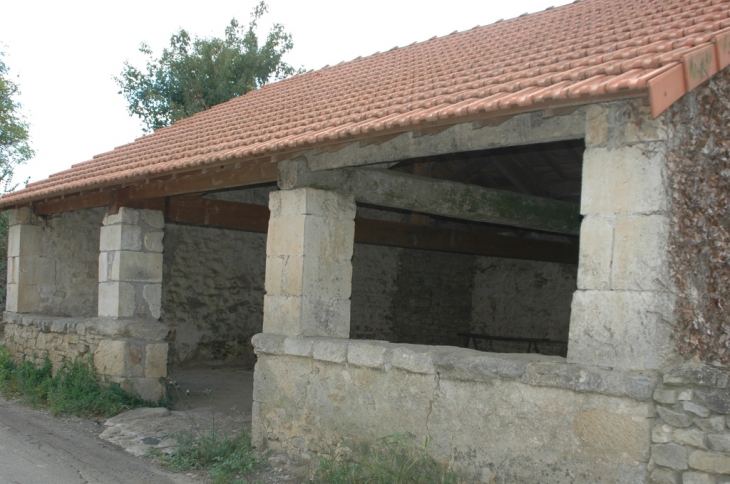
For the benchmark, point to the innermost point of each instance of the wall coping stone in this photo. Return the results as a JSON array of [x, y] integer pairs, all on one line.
[[142, 329], [462, 364]]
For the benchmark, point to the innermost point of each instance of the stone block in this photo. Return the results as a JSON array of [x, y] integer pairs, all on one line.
[[598, 126], [309, 201], [367, 354], [116, 300], [25, 240], [626, 180], [103, 266], [719, 442], [670, 455], [120, 237], [153, 241], [712, 424], [667, 397], [136, 267], [153, 218], [284, 275], [662, 434], [12, 270], [622, 329], [282, 315], [272, 344], [693, 373], [641, 127], [329, 238], [664, 476], [710, 462], [35, 270], [17, 216], [126, 215], [155, 363], [286, 236], [152, 294], [717, 399], [674, 418], [596, 253], [690, 436], [118, 358], [23, 298], [685, 395], [696, 409], [698, 478], [640, 254], [325, 317], [334, 351], [298, 346], [414, 359]]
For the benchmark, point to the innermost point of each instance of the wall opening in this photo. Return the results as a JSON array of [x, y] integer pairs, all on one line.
[[433, 297]]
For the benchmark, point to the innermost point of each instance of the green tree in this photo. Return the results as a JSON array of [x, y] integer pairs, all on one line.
[[14, 146], [193, 75]]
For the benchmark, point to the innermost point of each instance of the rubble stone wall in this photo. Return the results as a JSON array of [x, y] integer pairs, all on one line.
[[691, 438], [130, 352]]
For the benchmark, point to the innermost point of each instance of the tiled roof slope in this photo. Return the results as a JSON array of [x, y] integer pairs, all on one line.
[[588, 50]]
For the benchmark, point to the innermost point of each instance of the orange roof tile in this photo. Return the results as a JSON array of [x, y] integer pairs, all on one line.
[[586, 51]]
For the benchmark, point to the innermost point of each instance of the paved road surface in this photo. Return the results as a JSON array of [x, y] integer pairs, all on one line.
[[36, 448]]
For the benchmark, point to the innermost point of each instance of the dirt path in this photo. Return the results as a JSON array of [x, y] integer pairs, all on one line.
[[36, 447]]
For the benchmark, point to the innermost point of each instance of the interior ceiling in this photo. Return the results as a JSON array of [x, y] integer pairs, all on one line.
[[551, 170]]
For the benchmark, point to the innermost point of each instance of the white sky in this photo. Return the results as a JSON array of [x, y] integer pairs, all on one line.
[[65, 53]]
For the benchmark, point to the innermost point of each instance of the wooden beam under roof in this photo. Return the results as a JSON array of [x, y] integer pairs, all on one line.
[[255, 218]]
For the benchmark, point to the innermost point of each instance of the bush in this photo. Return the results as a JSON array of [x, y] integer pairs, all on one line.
[[75, 390], [390, 461]]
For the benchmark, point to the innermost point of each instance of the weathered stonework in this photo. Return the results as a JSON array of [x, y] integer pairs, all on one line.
[[524, 418], [52, 262], [130, 352], [623, 312], [130, 264], [691, 438]]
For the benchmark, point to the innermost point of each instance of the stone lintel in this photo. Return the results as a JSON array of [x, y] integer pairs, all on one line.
[[523, 129], [392, 189]]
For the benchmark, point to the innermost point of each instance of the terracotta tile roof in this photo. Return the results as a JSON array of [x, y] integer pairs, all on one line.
[[586, 51]]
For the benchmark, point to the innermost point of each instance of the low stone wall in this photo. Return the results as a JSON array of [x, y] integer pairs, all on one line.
[[691, 439], [492, 418], [130, 352]]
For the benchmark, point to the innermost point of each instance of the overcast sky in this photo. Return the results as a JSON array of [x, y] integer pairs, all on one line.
[[64, 54]]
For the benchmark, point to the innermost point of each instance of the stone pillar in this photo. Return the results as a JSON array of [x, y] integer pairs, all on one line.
[[30, 274], [308, 263], [130, 264], [623, 311]]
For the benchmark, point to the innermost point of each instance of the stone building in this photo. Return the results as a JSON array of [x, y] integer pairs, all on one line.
[[556, 183]]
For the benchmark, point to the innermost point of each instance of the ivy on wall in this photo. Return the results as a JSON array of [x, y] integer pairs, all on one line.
[[699, 174]]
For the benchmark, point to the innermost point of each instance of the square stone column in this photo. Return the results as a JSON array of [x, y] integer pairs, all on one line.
[[623, 311], [308, 263], [130, 264], [30, 273]]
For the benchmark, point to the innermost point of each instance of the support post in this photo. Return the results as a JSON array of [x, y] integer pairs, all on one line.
[[308, 263], [130, 264], [31, 275]]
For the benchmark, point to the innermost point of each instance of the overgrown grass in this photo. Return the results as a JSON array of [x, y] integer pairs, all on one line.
[[76, 389], [226, 458], [390, 461]]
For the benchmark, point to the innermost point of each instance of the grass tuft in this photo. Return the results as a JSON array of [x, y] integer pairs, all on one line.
[[226, 458], [390, 461], [76, 389]]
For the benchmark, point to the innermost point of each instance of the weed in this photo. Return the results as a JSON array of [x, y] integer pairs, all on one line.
[[225, 457], [390, 461], [76, 389]]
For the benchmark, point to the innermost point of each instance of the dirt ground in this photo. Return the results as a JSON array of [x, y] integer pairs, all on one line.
[[209, 397], [36, 447]]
